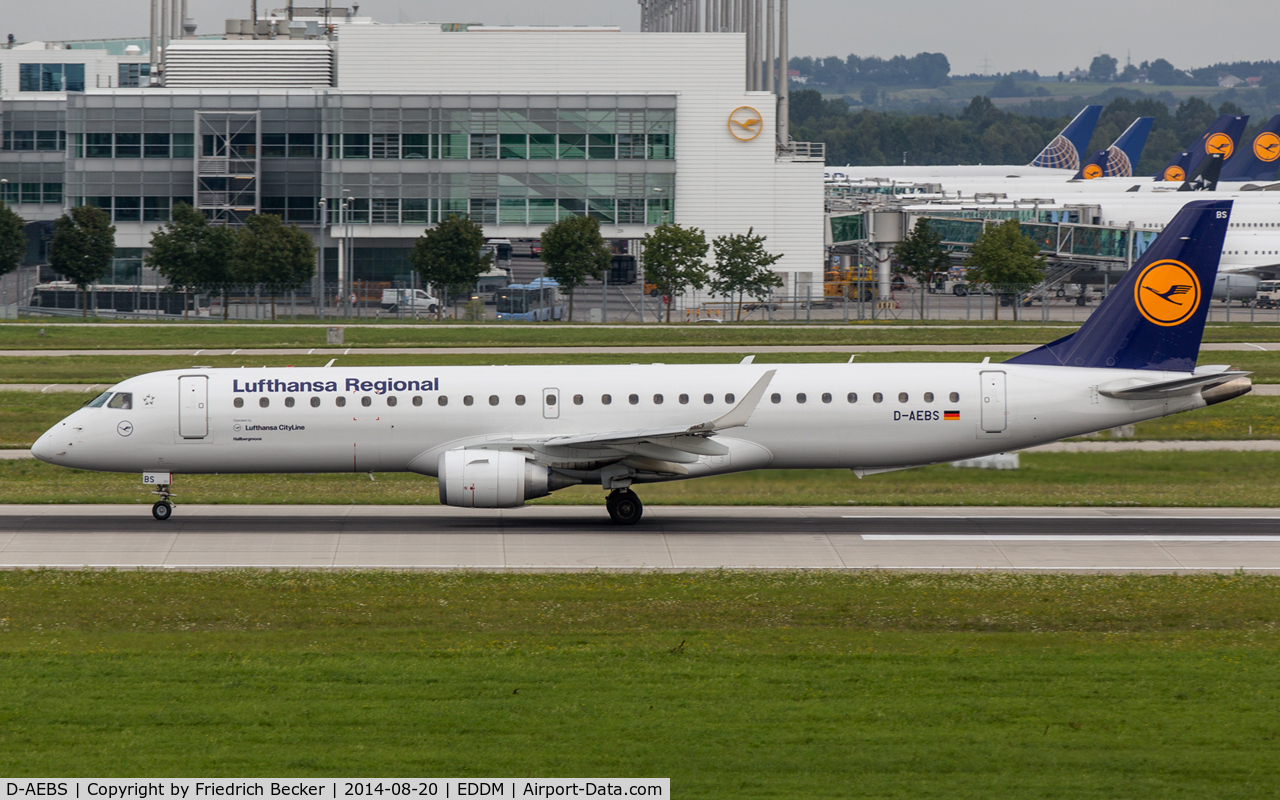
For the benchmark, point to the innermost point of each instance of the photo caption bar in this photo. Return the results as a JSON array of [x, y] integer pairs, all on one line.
[[334, 788]]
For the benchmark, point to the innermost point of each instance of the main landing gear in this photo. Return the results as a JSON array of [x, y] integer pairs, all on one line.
[[624, 507], [163, 509]]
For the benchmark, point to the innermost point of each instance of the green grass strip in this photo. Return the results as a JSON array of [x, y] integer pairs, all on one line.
[[734, 685]]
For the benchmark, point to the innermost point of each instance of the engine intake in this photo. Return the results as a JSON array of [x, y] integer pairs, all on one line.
[[494, 479]]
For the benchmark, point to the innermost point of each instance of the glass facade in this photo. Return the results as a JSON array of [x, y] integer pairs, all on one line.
[[51, 77]]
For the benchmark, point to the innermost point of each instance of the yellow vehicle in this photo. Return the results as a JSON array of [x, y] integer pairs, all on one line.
[[857, 282]]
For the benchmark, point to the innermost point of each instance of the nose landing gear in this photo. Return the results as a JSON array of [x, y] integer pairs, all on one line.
[[163, 509], [624, 507]]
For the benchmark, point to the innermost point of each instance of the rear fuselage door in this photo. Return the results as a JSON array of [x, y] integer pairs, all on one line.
[[994, 411], [193, 406]]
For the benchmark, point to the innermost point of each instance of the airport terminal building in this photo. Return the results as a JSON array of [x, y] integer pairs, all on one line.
[[406, 124]]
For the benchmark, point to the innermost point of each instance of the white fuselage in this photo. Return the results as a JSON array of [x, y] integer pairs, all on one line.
[[249, 426]]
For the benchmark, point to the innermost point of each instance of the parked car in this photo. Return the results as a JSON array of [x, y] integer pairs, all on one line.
[[535, 249], [394, 300]]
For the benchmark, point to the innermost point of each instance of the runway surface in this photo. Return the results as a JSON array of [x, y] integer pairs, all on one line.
[[570, 538]]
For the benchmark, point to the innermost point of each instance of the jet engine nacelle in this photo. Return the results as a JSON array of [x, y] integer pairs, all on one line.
[[491, 479]]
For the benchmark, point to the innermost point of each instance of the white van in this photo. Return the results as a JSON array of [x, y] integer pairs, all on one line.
[[411, 300]]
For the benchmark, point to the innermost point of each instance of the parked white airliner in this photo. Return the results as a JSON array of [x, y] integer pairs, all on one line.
[[498, 436]]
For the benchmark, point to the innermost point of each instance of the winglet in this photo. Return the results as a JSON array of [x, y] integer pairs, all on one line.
[[737, 416]]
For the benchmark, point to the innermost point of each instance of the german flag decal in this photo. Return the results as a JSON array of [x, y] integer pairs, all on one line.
[[950, 416]]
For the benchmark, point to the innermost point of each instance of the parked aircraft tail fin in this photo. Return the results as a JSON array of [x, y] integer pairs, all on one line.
[[1223, 137], [1118, 160], [1259, 159], [1206, 176], [1067, 149], [1154, 317]]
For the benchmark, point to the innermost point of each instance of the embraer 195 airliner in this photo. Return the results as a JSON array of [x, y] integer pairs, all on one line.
[[498, 436]]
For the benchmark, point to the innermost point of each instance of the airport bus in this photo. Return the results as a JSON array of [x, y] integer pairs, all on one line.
[[536, 301]]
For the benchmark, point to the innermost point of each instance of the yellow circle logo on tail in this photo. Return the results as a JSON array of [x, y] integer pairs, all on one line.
[[1175, 174], [1092, 171], [1167, 293], [1267, 146], [1220, 143]]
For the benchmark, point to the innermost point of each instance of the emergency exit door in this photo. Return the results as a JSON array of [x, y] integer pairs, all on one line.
[[193, 406], [994, 406], [551, 404]]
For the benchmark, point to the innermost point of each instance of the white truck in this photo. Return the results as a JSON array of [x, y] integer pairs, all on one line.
[[409, 300]]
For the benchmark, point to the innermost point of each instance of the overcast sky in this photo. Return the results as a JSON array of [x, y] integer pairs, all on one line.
[[1009, 34]]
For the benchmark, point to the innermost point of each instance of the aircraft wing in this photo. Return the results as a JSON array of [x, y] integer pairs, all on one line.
[[659, 450]]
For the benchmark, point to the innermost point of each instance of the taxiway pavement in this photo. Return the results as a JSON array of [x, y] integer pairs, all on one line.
[[571, 538]]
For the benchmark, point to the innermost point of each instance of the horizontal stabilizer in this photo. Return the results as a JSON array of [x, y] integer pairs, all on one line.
[[1165, 389]]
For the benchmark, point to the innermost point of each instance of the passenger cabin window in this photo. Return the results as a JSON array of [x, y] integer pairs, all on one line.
[[493, 399], [101, 400], [801, 397], [288, 402], [121, 400], [902, 397], [708, 399], [826, 397], [391, 401], [728, 398], [417, 399], [684, 399], [633, 399], [442, 400], [238, 402], [853, 397], [877, 398], [775, 398], [955, 397], [519, 399], [339, 401], [366, 401], [315, 402], [928, 397], [657, 399], [551, 399], [577, 399], [264, 401], [468, 400], [606, 399]]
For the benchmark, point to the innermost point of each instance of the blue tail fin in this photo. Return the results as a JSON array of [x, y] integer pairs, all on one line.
[[1259, 160], [1067, 149], [1223, 136], [1154, 317], [1118, 160]]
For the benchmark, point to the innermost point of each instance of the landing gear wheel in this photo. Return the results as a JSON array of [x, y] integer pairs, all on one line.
[[624, 507], [162, 510]]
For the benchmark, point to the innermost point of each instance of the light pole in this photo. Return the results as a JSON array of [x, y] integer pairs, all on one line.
[[345, 266], [324, 221]]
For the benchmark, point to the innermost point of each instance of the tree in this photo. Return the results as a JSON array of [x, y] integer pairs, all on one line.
[[13, 239], [1005, 260], [675, 260], [1102, 69], [448, 255], [84, 242], [193, 255], [573, 251], [742, 268], [269, 253], [921, 254]]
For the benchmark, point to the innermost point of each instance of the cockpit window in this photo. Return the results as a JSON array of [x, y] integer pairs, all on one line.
[[98, 401], [121, 400]]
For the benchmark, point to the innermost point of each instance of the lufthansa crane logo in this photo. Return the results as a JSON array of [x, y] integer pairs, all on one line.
[[1175, 174], [1220, 143], [1267, 146], [745, 123], [1167, 293], [1092, 171]]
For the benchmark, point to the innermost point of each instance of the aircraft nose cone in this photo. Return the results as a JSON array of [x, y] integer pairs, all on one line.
[[44, 448]]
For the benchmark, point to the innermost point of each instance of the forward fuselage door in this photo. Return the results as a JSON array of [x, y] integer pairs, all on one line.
[[551, 404], [994, 404], [193, 406]]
